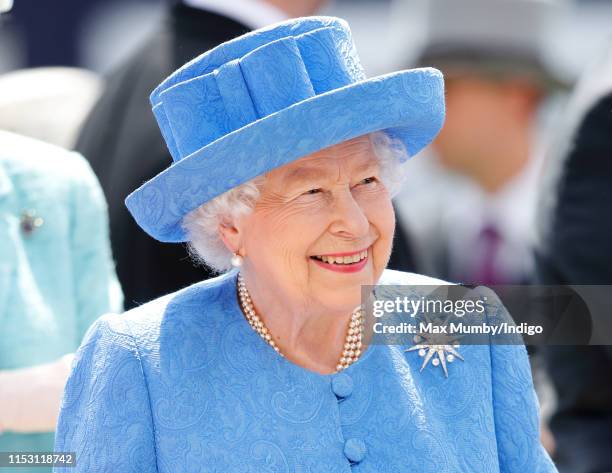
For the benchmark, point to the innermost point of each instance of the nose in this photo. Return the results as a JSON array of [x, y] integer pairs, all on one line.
[[349, 219]]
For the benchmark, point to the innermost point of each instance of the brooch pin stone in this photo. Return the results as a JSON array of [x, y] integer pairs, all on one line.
[[30, 221]]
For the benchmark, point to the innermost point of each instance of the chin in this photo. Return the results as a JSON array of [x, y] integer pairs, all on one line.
[[345, 304], [346, 294]]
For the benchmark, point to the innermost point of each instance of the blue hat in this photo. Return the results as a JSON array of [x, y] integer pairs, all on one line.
[[265, 99]]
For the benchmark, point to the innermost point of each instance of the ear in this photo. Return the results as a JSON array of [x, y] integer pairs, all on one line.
[[231, 237]]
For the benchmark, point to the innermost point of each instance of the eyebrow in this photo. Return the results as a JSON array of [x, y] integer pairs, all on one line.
[[302, 174]]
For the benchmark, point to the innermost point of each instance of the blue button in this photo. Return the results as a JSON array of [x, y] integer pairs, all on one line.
[[342, 385], [354, 450]]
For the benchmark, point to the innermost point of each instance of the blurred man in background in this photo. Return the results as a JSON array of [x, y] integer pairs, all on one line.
[[576, 248], [122, 142], [476, 223], [479, 226]]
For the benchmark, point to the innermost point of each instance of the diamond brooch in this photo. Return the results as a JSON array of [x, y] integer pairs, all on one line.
[[437, 348]]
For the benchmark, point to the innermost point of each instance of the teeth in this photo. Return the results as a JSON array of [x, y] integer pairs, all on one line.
[[343, 259]]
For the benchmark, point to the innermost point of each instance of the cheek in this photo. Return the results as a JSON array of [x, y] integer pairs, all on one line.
[[384, 245], [384, 220], [458, 127], [455, 145], [284, 235], [379, 211]]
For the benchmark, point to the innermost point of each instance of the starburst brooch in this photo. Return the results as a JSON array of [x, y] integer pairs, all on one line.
[[438, 348]]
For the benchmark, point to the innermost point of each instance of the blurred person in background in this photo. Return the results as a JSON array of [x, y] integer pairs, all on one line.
[[94, 34], [477, 223], [477, 226], [122, 142], [56, 278], [576, 248]]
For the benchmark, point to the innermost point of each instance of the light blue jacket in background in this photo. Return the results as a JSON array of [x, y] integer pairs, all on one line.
[[184, 384], [57, 279]]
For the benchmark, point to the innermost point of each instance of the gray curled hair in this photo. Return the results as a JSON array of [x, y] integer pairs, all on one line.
[[202, 224]]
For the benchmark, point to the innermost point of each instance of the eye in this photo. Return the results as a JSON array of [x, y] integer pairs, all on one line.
[[313, 191], [368, 180]]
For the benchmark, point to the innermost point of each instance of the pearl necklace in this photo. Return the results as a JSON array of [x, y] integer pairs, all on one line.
[[354, 335]]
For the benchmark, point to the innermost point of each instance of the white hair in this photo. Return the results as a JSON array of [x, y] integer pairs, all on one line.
[[202, 224]]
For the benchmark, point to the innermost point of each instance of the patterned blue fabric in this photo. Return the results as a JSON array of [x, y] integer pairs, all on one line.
[[268, 98], [184, 384], [58, 279]]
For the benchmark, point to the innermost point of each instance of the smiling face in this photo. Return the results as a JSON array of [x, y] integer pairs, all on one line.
[[322, 227]]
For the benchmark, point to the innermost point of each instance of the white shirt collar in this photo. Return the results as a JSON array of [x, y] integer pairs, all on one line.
[[252, 13]]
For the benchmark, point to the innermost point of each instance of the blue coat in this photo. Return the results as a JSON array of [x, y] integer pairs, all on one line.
[[58, 278], [183, 384]]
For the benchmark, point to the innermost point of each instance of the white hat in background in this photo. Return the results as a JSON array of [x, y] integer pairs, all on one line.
[[5, 5], [497, 37], [48, 103]]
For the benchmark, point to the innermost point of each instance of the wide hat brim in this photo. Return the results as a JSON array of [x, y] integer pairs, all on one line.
[[407, 105]]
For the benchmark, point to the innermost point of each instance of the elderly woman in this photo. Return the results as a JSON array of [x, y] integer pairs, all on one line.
[[286, 158]]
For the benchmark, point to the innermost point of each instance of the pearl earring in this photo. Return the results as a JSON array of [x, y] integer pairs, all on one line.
[[236, 260]]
